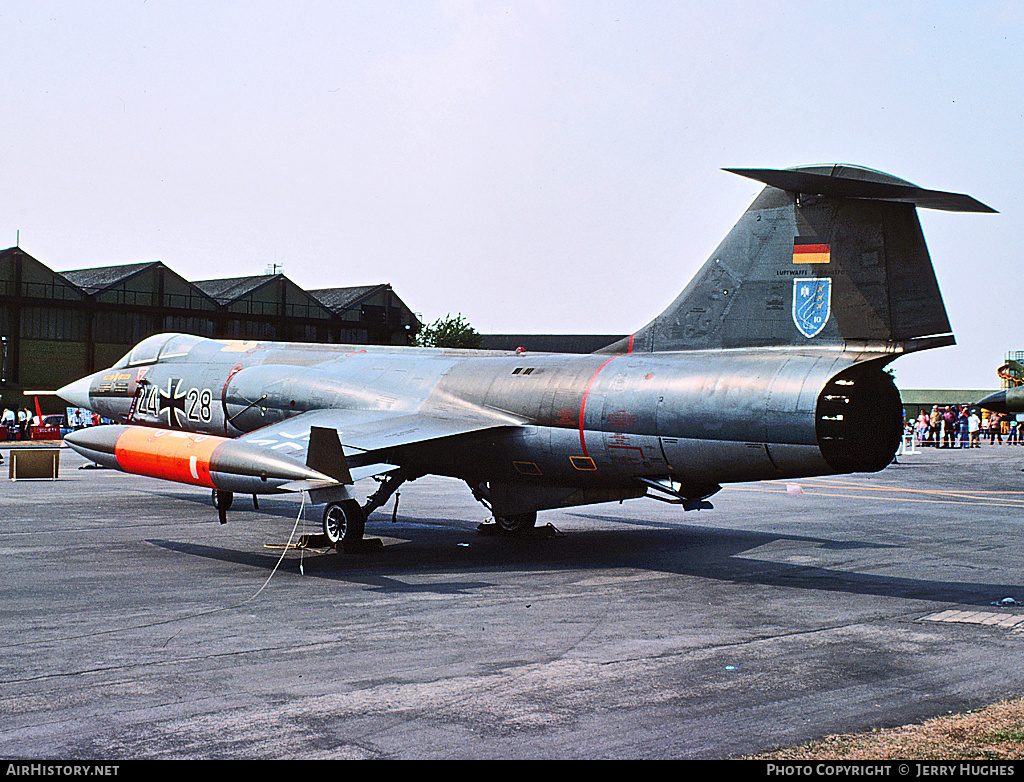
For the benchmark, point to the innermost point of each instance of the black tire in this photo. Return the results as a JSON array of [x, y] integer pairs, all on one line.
[[517, 523], [222, 499], [334, 523], [344, 522]]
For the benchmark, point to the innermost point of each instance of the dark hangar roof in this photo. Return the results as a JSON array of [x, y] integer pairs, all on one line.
[[342, 298], [549, 343], [101, 277], [228, 289]]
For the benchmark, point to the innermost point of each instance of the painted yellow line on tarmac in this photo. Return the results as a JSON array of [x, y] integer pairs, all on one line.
[[990, 618], [936, 496]]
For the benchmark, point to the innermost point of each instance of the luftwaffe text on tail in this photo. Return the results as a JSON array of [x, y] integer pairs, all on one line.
[[769, 365]]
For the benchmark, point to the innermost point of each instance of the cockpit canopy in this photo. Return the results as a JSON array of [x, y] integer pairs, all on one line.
[[157, 348]]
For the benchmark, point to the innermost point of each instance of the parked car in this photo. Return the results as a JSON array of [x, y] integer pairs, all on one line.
[[59, 420]]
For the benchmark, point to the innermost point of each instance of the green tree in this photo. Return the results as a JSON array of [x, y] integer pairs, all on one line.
[[449, 332]]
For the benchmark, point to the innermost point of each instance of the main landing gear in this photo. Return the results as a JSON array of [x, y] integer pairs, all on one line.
[[516, 524], [345, 521], [344, 524], [510, 525]]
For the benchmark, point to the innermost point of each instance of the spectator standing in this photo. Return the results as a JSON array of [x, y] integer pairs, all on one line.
[[921, 430], [962, 428], [994, 429], [974, 429], [948, 428], [934, 426]]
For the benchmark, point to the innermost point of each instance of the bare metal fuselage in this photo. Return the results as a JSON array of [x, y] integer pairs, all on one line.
[[769, 364], [586, 427]]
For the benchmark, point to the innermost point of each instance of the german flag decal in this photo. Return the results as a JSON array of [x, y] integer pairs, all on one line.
[[809, 249]]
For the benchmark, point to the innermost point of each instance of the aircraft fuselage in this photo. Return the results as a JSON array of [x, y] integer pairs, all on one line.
[[690, 420], [769, 364]]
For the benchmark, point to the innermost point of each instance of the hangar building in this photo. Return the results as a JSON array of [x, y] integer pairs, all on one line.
[[56, 327]]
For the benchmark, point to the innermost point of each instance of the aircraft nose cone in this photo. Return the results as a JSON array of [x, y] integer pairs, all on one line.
[[98, 443], [77, 393], [95, 438]]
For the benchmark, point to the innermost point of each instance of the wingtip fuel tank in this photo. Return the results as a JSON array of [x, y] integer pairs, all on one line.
[[189, 457]]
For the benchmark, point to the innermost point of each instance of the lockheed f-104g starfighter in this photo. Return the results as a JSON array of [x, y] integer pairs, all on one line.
[[769, 365]]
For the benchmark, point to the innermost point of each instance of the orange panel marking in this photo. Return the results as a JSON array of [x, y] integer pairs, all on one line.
[[584, 463], [527, 468]]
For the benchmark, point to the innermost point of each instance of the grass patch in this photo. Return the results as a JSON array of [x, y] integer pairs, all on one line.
[[993, 733]]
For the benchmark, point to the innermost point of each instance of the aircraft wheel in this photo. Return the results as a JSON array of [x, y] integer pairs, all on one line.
[[222, 499], [334, 523], [344, 522], [517, 523]]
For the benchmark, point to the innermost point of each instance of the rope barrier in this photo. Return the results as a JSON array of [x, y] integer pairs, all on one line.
[[197, 614]]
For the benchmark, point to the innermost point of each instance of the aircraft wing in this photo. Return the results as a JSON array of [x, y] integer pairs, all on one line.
[[369, 437]]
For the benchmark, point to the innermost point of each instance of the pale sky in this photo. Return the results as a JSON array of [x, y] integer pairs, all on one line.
[[538, 166]]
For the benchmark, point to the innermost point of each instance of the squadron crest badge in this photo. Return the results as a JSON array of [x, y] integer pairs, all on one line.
[[812, 304]]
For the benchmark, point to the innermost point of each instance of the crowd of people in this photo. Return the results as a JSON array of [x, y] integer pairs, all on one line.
[[17, 421], [961, 426]]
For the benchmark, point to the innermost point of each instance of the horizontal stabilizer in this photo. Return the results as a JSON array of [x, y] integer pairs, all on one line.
[[856, 182], [825, 255]]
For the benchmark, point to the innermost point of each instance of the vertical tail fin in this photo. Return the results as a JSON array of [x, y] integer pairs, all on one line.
[[825, 255]]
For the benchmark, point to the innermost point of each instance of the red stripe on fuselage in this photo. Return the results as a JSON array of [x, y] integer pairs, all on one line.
[[583, 402]]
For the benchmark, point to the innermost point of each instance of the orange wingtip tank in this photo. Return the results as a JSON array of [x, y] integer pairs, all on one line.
[[189, 457], [173, 456]]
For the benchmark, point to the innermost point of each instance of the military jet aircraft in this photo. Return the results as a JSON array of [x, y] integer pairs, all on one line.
[[769, 365], [1010, 400]]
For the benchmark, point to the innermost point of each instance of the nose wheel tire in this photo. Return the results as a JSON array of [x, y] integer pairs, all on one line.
[[344, 522], [222, 501]]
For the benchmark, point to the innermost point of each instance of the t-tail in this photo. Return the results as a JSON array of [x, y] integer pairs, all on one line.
[[826, 256]]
